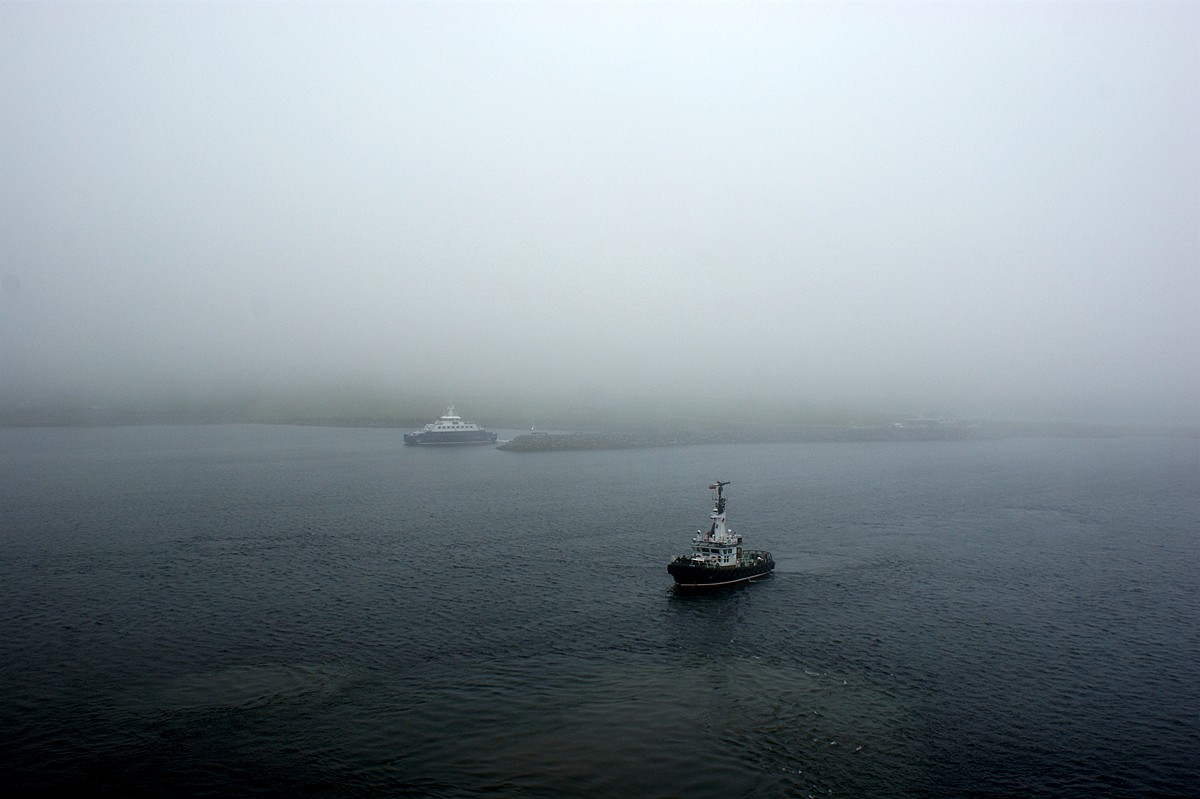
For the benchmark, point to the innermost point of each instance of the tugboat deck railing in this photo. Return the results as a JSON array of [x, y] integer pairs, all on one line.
[[748, 557]]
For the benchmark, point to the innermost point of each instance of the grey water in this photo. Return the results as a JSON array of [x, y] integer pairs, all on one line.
[[305, 611]]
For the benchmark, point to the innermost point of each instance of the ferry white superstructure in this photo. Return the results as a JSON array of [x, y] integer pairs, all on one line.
[[450, 429]]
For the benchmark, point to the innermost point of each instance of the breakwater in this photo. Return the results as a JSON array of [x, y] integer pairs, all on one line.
[[549, 442]]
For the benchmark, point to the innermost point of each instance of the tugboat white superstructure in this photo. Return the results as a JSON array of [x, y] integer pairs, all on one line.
[[451, 429], [717, 557]]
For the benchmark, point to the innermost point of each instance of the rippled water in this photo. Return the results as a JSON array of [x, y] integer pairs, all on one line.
[[252, 610]]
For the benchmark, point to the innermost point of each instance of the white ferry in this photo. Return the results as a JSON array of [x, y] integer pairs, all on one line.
[[450, 429]]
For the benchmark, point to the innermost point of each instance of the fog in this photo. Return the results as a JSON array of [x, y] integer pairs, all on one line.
[[968, 208]]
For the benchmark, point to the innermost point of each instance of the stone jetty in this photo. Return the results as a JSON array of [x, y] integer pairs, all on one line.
[[550, 442]]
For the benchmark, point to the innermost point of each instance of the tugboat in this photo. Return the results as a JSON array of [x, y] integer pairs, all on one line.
[[450, 429], [717, 556]]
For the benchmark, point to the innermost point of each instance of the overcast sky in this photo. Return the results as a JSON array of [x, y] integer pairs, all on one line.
[[975, 207]]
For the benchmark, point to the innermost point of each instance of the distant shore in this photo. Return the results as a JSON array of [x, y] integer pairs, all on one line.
[[615, 437]]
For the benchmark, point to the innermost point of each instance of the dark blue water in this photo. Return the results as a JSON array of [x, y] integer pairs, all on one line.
[[285, 611]]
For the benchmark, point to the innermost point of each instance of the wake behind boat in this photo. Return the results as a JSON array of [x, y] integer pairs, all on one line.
[[717, 557], [450, 429]]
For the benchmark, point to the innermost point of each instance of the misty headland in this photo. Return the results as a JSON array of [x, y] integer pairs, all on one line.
[[589, 420], [600, 216]]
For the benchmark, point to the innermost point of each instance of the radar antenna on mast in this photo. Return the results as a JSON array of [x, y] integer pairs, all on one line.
[[719, 486]]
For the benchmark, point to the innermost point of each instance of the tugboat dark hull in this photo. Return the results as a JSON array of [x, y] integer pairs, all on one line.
[[689, 574]]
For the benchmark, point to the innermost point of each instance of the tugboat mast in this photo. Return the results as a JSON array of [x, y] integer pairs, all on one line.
[[717, 529], [720, 485]]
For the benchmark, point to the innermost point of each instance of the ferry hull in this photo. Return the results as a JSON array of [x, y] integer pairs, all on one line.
[[451, 437], [688, 574]]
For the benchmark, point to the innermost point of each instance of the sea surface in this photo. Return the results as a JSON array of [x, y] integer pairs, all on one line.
[[320, 612]]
